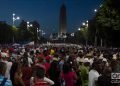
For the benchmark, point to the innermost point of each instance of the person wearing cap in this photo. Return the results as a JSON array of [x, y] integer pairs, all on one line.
[[84, 70], [105, 62], [114, 57]]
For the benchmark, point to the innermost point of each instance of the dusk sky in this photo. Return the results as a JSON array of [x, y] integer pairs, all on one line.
[[46, 12]]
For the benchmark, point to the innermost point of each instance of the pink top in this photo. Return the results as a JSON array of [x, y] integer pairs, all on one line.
[[70, 78]]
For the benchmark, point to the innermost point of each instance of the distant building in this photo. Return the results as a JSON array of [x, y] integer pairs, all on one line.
[[62, 21]]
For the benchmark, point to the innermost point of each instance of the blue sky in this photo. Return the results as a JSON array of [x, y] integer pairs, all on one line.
[[46, 12]]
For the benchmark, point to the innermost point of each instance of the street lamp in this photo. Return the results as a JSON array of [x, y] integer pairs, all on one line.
[[29, 25], [79, 29], [95, 10], [87, 23], [83, 23], [15, 18]]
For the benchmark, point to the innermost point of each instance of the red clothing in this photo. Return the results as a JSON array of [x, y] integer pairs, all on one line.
[[27, 73], [47, 66], [11, 49], [48, 58], [70, 78]]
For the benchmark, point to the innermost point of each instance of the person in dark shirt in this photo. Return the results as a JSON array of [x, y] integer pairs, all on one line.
[[105, 79]]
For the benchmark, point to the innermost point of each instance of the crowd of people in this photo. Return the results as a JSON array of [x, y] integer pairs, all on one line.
[[58, 65]]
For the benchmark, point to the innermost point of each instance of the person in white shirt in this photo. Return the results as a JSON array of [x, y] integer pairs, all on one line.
[[94, 74], [9, 64], [45, 79], [30, 62], [26, 58]]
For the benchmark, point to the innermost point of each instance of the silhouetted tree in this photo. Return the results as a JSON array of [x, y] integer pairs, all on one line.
[[24, 33], [35, 29], [107, 23], [6, 33]]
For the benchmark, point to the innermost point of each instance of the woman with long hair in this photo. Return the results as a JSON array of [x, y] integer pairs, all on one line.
[[54, 73], [27, 73], [16, 75], [68, 75]]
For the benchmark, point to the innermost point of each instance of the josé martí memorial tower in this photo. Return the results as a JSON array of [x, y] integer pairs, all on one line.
[[62, 22]]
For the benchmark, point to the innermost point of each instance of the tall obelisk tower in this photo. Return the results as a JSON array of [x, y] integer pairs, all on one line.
[[62, 21]]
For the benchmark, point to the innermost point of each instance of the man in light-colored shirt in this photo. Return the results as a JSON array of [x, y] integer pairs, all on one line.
[[93, 74], [93, 77], [3, 67], [30, 62], [9, 64]]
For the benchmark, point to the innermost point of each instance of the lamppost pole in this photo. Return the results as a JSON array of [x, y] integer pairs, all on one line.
[[28, 25], [95, 41], [13, 20], [85, 31], [37, 34]]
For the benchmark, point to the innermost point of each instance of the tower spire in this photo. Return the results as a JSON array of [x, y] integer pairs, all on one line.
[[62, 20]]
